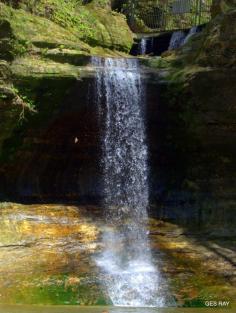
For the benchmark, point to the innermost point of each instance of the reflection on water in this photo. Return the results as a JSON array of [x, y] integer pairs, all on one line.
[[76, 309]]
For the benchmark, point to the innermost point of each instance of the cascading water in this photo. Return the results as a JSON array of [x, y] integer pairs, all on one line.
[[143, 46], [126, 265], [177, 40], [192, 32]]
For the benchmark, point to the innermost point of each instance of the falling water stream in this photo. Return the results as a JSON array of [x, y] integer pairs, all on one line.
[[126, 265], [179, 38], [143, 46], [193, 31]]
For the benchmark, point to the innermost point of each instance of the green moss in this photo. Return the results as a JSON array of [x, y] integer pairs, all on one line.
[[37, 66], [197, 285], [111, 30], [67, 25], [27, 28], [158, 63], [49, 48], [57, 290], [68, 15]]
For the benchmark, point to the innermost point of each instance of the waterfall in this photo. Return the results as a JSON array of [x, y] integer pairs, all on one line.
[[192, 32], [143, 46], [127, 269], [177, 40]]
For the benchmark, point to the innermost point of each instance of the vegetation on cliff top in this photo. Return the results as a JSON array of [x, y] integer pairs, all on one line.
[[50, 39], [93, 24]]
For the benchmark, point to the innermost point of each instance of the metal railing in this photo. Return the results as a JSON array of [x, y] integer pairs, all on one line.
[[167, 15]]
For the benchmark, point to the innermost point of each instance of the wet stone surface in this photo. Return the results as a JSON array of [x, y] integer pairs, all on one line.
[[47, 257]]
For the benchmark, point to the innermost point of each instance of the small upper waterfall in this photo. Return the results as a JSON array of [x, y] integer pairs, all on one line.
[[143, 46], [128, 272], [193, 31], [177, 40]]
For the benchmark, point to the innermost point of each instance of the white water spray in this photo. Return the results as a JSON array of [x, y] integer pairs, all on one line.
[[143, 46], [191, 33], [126, 265], [177, 40]]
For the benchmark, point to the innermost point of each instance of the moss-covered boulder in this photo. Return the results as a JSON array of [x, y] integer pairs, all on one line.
[[93, 23], [110, 31], [199, 91], [219, 44], [50, 41], [221, 6]]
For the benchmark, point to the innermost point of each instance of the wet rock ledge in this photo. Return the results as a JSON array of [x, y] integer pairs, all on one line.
[[47, 256]]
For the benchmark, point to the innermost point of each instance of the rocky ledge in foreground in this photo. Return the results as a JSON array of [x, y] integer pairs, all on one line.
[[47, 257]]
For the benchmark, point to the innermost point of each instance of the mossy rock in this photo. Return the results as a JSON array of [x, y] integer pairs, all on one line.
[[67, 56], [28, 29], [214, 47], [5, 71], [24, 33], [34, 67], [222, 6], [111, 30], [68, 25], [219, 44]]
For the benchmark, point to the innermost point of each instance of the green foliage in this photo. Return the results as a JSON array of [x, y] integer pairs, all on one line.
[[20, 47], [3, 96], [68, 14], [57, 22], [102, 3], [26, 96]]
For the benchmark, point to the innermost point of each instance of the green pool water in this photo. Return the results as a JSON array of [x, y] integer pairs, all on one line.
[[74, 309]]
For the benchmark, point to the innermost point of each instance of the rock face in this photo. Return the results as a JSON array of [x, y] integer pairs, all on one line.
[[53, 154], [94, 24], [63, 272], [43, 50], [199, 95], [68, 239], [57, 149], [215, 46], [219, 45], [221, 6], [198, 140]]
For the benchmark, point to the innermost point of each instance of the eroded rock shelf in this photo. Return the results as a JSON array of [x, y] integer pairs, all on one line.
[[46, 256]]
